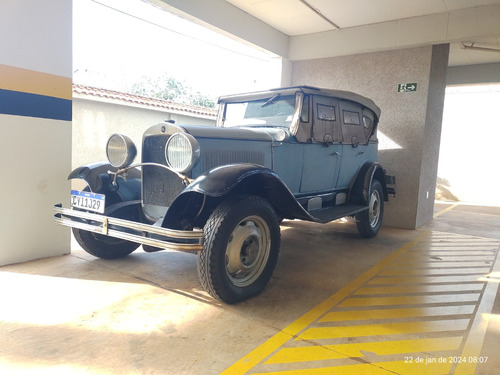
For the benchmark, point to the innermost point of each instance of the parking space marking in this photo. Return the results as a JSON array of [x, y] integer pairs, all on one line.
[[415, 312], [444, 210], [315, 353]]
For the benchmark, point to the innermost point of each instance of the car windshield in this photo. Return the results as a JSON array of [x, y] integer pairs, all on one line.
[[275, 111]]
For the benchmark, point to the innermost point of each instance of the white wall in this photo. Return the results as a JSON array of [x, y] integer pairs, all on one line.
[[469, 154], [35, 126], [95, 121]]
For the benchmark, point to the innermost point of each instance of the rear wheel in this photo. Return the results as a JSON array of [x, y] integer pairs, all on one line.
[[242, 240], [369, 221]]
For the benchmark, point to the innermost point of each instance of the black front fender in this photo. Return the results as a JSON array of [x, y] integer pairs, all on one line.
[[222, 180], [99, 181], [194, 205]]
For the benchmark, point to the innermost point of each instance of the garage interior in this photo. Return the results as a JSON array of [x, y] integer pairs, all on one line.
[[421, 297]]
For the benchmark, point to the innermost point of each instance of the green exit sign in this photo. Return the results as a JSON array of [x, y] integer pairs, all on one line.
[[407, 87]]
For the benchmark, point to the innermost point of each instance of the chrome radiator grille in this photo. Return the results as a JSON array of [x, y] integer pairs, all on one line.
[[159, 186]]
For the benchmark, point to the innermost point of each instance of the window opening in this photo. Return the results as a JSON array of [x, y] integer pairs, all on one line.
[[325, 112], [351, 118]]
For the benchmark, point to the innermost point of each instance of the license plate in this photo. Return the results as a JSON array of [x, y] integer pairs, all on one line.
[[88, 201]]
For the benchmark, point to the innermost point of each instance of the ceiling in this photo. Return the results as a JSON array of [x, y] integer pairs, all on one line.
[[299, 18]]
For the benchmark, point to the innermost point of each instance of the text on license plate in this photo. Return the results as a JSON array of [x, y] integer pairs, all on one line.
[[88, 201]]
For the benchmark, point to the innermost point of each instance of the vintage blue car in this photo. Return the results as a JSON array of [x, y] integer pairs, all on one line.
[[221, 192]]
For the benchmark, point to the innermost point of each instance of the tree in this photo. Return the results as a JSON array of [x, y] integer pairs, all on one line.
[[169, 88]]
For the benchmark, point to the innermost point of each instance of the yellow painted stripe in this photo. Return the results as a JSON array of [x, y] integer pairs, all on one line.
[[460, 239], [342, 316], [257, 355], [327, 352], [429, 263], [464, 248], [320, 333], [445, 210], [436, 271], [448, 258], [431, 288], [311, 341], [423, 280], [378, 368], [447, 253], [410, 300], [33, 82]]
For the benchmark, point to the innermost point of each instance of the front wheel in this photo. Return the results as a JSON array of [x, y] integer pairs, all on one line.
[[240, 252], [368, 222]]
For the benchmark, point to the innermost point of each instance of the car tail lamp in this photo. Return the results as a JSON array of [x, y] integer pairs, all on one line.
[[120, 150]]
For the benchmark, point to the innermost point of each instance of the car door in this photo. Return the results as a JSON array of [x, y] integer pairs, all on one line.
[[357, 125], [322, 152]]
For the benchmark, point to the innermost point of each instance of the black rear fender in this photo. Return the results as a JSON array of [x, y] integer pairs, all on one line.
[[360, 189]]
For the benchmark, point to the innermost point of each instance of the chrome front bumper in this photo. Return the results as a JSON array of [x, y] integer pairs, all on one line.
[[169, 239]]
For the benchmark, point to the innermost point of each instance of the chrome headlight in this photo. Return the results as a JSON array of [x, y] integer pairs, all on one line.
[[120, 150], [182, 151]]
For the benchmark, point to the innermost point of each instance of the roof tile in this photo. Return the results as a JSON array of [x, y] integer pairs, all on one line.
[[142, 100]]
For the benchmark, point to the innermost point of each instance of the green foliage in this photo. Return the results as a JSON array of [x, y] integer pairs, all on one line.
[[169, 88]]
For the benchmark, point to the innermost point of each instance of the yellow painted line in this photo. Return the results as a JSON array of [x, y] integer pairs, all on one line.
[[435, 271], [321, 333], [257, 355], [32, 82], [345, 333], [446, 253], [431, 288], [443, 211], [379, 368], [458, 246], [410, 300], [433, 264], [466, 239], [453, 257], [321, 353], [423, 280], [450, 258], [345, 316]]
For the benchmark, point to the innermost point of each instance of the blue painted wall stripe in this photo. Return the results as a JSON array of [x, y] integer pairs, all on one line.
[[33, 105]]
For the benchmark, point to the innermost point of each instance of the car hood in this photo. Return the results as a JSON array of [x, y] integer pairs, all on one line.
[[257, 134]]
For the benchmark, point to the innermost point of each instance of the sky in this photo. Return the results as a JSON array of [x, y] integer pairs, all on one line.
[[117, 43]]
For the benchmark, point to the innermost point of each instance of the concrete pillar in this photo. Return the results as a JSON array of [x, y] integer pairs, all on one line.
[[35, 126], [410, 124]]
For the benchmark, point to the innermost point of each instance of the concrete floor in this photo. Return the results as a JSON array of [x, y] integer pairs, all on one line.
[[405, 302]]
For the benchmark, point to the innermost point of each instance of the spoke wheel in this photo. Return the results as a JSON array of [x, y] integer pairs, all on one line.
[[240, 250]]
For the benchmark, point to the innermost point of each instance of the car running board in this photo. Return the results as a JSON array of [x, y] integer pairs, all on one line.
[[324, 215]]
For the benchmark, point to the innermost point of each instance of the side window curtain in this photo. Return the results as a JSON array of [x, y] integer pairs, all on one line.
[[326, 127], [353, 130]]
